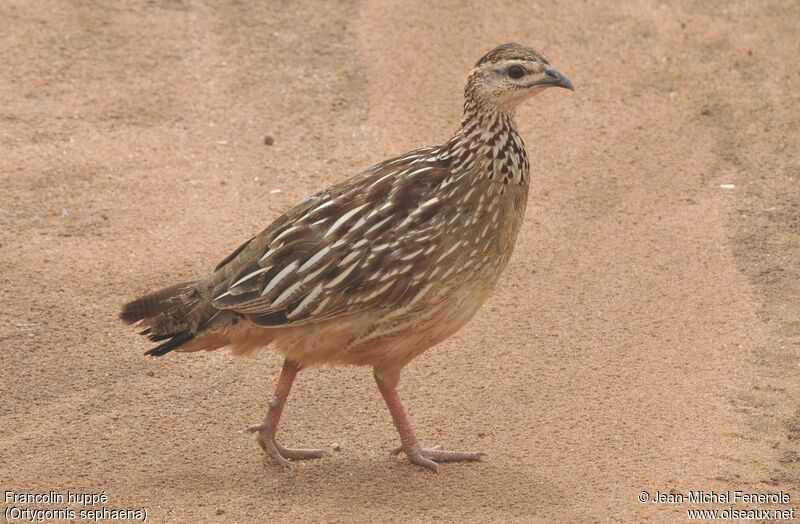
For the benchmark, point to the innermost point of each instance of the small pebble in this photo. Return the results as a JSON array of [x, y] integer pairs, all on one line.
[[220, 511], [336, 446], [727, 186], [268, 140], [150, 374]]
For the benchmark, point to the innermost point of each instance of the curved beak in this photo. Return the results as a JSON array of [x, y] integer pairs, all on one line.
[[555, 79]]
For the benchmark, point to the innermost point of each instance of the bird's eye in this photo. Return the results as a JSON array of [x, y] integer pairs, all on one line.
[[515, 72]]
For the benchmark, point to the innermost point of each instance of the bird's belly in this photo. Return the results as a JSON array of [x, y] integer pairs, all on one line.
[[387, 340]]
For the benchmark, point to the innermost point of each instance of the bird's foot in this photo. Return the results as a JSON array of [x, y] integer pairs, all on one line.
[[278, 452], [428, 457]]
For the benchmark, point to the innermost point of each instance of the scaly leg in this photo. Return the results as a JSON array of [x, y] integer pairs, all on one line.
[[425, 457], [266, 430]]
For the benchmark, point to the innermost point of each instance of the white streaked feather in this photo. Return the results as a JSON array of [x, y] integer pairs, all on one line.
[[376, 226], [387, 275], [381, 179], [309, 278], [465, 198], [411, 255], [321, 305], [447, 253], [420, 170], [405, 269], [429, 202], [340, 277], [349, 258], [225, 294], [285, 232], [311, 262], [269, 252], [309, 298], [344, 218], [286, 295], [249, 276], [448, 272], [377, 292], [283, 273], [319, 207], [421, 293]]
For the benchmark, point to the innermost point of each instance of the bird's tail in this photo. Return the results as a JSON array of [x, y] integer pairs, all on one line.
[[170, 315]]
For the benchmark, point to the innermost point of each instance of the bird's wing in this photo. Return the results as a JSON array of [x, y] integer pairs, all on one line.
[[370, 241]]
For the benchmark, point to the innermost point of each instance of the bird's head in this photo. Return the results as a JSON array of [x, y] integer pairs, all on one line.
[[509, 74]]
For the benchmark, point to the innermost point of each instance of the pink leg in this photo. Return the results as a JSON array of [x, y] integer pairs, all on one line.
[[266, 430], [425, 457]]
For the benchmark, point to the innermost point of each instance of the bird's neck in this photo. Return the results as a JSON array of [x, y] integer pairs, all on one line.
[[487, 124], [488, 140]]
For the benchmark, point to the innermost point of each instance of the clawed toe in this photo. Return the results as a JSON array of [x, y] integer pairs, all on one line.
[[299, 453], [440, 455], [398, 449], [278, 452], [428, 457], [256, 428]]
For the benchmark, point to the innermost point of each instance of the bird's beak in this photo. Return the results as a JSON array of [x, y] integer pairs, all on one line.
[[555, 79]]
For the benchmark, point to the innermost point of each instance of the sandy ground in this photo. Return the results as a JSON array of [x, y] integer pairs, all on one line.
[[644, 337]]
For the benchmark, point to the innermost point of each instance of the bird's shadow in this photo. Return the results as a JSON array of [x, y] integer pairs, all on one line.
[[380, 484]]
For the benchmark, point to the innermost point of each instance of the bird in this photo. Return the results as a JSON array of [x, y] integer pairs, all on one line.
[[376, 269]]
